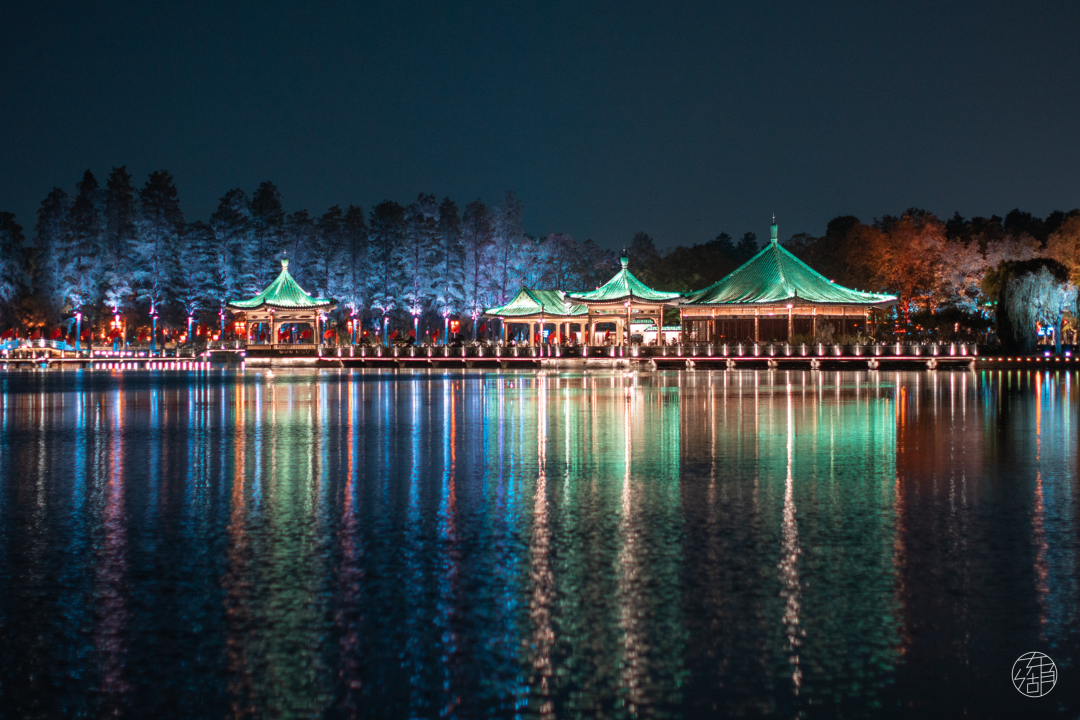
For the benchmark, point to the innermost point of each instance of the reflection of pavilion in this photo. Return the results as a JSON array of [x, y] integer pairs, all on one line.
[[283, 305]]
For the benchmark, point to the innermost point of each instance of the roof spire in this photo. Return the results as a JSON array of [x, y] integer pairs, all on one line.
[[624, 259], [772, 230]]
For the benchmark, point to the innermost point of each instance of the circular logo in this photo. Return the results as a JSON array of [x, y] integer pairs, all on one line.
[[1034, 674]]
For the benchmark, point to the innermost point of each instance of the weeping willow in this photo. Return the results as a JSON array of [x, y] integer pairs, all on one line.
[[1033, 293]]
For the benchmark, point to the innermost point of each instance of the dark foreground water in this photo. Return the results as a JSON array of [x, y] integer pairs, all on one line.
[[503, 545]]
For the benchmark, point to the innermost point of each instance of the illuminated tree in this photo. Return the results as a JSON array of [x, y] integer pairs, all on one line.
[[196, 285], [301, 244], [1030, 293], [1064, 246], [449, 261], [900, 255], [476, 239], [158, 240], [417, 252], [12, 261], [267, 223], [51, 233], [385, 231], [234, 246], [327, 267], [507, 234], [118, 243], [353, 288], [80, 261]]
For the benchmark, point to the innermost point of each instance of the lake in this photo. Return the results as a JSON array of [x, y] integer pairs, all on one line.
[[499, 544]]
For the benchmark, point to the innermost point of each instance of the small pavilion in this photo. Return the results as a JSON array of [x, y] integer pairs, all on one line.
[[537, 309], [623, 300], [774, 297], [283, 304]]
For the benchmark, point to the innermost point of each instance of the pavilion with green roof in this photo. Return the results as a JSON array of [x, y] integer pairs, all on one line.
[[622, 300], [536, 309], [775, 296], [282, 303]]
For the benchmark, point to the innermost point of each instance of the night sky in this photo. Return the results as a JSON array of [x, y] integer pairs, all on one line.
[[679, 119]]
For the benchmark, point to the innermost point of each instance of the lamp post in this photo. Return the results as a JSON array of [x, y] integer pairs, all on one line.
[[78, 331], [153, 330], [385, 327], [446, 328]]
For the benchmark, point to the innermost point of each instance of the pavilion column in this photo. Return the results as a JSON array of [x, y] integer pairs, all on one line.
[[502, 322], [813, 325], [790, 323], [757, 327]]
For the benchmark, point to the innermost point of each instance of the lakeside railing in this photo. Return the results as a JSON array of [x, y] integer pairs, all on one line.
[[703, 351]]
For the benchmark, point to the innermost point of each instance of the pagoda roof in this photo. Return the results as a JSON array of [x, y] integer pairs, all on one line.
[[624, 286], [774, 275], [530, 302], [284, 293]]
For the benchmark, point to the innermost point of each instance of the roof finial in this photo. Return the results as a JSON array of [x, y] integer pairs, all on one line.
[[772, 230], [284, 260], [624, 259]]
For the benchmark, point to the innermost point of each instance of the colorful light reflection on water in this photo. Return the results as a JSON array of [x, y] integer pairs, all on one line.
[[441, 544]]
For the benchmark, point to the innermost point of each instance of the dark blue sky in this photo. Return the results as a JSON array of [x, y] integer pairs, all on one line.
[[681, 119]]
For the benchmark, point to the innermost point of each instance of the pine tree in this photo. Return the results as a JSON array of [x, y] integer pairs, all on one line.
[[13, 259], [234, 243], [81, 263], [119, 239], [268, 219], [384, 240], [52, 236], [301, 245], [746, 248], [476, 240], [197, 289], [330, 240], [353, 288], [157, 242], [417, 251], [449, 272], [508, 236]]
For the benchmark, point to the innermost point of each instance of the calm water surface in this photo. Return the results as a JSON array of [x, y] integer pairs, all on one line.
[[371, 544]]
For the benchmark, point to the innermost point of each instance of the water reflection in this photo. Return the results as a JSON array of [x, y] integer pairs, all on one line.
[[456, 544]]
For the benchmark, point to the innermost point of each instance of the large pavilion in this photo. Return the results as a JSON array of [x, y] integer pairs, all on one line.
[[622, 300], [283, 305], [775, 296], [536, 309]]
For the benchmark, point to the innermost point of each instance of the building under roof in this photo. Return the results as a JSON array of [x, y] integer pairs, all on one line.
[[283, 302], [622, 300], [775, 296], [537, 309]]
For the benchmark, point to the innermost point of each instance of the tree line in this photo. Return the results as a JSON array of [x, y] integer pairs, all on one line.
[[117, 250]]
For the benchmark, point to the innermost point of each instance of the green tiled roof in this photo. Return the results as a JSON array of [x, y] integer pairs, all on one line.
[[774, 275], [622, 287], [536, 302], [282, 293]]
